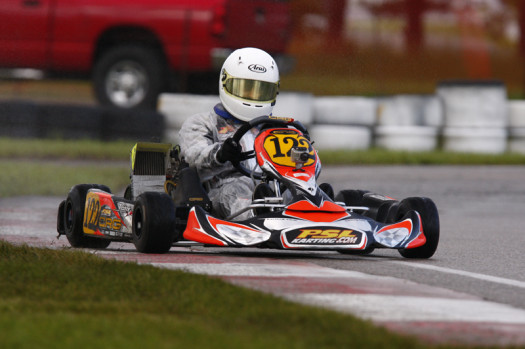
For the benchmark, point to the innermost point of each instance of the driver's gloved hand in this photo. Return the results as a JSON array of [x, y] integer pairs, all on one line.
[[230, 151]]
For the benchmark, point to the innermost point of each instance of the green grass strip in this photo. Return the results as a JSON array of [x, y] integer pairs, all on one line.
[[64, 149], [377, 156], [57, 299], [13, 148], [28, 177]]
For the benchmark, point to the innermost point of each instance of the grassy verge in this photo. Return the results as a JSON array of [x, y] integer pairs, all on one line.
[[386, 157], [57, 299], [64, 149], [12, 148], [31, 177], [51, 167]]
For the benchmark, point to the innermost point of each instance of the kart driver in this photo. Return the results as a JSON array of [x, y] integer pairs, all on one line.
[[248, 87]]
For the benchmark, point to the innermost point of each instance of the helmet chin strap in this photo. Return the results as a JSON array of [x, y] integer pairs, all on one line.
[[222, 112]]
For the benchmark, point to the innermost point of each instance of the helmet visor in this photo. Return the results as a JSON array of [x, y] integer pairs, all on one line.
[[253, 90]]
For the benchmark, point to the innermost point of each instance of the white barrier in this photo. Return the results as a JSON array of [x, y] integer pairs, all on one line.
[[407, 138], [295, 105], [516, 113], [474, 104], [337, 137], [469, 117], [178, 107], [475, 140], [517, 140], [345, 110], [410, 110]]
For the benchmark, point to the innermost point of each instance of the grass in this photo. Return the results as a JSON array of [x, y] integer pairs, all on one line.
[[31, 177], [64, 149], [59, 299], [51, 167], [378, 156]]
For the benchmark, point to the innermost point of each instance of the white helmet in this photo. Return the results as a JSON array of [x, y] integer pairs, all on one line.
[[249, 83]]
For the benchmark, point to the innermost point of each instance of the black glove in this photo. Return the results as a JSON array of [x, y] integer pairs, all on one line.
[[229, 151], [232, 151]]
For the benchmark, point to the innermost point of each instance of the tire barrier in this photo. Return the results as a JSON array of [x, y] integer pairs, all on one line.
[[461, 116], [410, 110], [31, 120], [345, 110], [474, 104], [517, 126], [475, 140], [476, 116], [176, 108], [407, 138], [335, 137], [295, 105]]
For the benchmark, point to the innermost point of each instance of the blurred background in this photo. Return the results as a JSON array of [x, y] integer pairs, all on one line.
[[415, 75], [373, 47]]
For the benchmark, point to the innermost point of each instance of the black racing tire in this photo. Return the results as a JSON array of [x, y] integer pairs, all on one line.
[[430, 219], [153, 223], [74, 218], [145, 66], [352, 197]]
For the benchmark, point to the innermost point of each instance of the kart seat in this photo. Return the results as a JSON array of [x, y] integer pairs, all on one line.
[[189, 191]]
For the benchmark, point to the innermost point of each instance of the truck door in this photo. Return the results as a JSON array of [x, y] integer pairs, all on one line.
[[24, 33], [265, 24]]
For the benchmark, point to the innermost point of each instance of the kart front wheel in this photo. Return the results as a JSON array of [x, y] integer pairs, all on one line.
[[430, 220], [153, 222], [73, 216]]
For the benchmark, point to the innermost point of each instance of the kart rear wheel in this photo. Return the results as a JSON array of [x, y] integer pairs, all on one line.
[[74, 207], [153, 223], [430, 220]]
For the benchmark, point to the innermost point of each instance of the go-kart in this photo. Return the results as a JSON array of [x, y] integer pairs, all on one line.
[[166, 204]]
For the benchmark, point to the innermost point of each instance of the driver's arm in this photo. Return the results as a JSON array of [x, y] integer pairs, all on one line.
[[198, 142]]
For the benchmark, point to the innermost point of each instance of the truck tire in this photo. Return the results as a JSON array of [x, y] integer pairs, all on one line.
[[153, 222], [73, 216], [129, 76]]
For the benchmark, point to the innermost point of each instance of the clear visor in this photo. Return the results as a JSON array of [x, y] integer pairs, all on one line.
[[253, 90]]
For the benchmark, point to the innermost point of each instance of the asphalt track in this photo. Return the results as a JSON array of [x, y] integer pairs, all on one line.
[[472, 290]]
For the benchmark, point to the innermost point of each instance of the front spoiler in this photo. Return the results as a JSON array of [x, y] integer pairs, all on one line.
[[354, 232]]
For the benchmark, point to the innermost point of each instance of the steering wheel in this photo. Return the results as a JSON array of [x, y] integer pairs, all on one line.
[[270, 121]]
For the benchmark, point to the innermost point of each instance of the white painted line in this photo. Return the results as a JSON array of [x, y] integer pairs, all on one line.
[[402, 308], [483, 277], [263, 270]]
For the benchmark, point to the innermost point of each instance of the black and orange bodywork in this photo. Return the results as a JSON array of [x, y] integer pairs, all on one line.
[[310, 220]]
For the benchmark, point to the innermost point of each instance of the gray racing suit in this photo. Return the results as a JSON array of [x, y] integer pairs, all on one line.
[[200, 138]]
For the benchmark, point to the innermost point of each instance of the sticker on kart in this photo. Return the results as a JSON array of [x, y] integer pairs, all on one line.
[[99, 218], [324, 236], [279, 143]]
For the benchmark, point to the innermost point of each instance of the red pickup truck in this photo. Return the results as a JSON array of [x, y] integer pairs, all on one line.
[[136, 49]]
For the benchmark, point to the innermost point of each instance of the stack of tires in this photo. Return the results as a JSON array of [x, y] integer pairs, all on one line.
[[476, 117], [343, 122], [517, 126], [409, 122]]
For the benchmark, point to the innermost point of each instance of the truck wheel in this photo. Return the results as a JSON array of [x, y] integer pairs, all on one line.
[[430, 219], [129, 77], [74, 217], [153, 222]]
